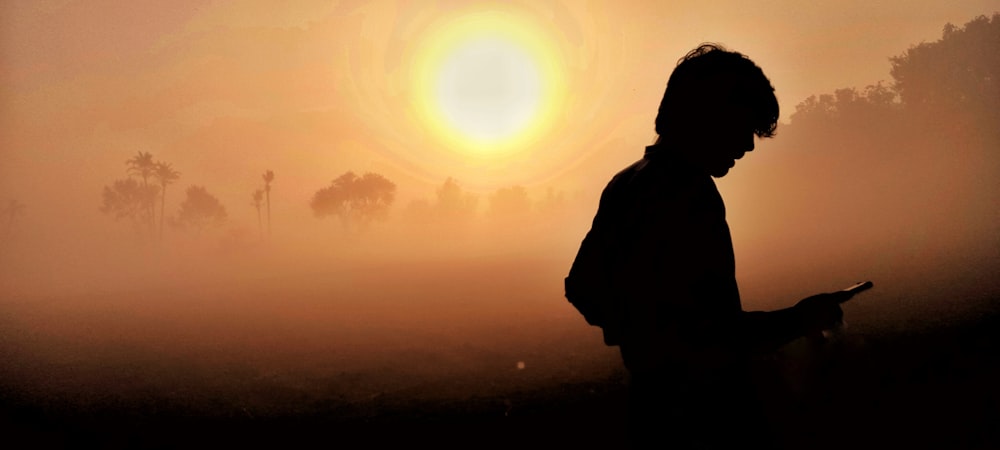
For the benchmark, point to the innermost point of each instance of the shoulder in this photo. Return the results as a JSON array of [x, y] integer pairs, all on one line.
[[643, 174], [659, 178]]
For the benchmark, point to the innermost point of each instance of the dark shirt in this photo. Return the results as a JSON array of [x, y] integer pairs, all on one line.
[[656, 272], [659, 265]]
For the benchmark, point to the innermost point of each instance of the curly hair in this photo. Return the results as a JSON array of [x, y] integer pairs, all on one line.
[[710, 77]]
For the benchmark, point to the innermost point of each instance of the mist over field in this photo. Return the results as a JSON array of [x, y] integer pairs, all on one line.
[[379, 281]]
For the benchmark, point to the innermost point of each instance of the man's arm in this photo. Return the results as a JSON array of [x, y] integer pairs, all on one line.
[[766, 331], [689, 254]]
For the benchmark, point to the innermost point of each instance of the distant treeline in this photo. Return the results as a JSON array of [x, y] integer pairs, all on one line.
[[951, 85], [358, 201], [942, 104], [898, 179]]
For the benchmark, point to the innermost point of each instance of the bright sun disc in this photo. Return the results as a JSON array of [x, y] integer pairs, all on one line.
[[488, 89], [487, 84]]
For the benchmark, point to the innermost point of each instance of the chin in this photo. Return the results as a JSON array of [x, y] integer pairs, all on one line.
[[720, 172]]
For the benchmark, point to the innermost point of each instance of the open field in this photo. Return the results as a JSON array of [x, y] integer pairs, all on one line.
[[442, 352]]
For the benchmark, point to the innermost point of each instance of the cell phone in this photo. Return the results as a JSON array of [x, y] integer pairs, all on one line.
[[858, 287]]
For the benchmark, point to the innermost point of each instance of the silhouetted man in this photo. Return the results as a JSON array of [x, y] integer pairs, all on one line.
[[657, 273]]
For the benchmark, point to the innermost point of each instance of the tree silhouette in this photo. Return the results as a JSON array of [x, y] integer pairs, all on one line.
[[962, 69], [847, 103], [554, 201], [509, 203], [948, 89], [13, 209], [128, 199], [258, 200], [873, 111], [454, 203], [268, 178], [143, 165], [200, 209], [356, 200], [165, 175]]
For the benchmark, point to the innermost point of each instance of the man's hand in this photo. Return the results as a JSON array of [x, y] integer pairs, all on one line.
[[821, 312]]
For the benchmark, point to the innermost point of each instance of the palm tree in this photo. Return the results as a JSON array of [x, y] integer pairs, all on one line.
[[258, 199], [165, 174], [268, 177], [143, 165]]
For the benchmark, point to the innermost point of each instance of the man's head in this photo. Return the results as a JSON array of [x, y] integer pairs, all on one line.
[[716, 101]]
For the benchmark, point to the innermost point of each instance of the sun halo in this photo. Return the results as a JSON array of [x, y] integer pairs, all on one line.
[[488, 84]]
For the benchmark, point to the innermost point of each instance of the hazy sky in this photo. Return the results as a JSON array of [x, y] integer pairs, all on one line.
[[554, 96], [226, 90]]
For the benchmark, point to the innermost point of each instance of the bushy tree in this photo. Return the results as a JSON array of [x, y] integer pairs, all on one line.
[[357, 201], [200, 209], [962, 69], [947, 90], [454, 203], [509, 203], [847, 103], [848, 113], [916, 155], [131, 200]]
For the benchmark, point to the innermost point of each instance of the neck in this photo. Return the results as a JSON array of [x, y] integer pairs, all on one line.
[[679, 152]]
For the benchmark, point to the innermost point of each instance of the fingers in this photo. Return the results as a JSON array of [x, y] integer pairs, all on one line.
[[822, 312], [828, 316], [841, 296]]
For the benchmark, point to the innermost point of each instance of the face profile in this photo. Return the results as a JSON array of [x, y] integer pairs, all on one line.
[[717, 147], [715, 143], [715, 102]]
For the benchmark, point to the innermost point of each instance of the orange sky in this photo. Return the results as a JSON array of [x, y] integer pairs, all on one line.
[[437, 302], [226, 90]]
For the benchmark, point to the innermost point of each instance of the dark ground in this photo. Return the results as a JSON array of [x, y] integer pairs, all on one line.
[[116, 375], [936, 389]]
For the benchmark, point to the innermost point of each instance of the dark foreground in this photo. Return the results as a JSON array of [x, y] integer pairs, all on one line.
[[253, 369], [932, 389]]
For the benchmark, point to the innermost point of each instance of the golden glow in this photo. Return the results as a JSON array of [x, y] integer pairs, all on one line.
[[488, 84]]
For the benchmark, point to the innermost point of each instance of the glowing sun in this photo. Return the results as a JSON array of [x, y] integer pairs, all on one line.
[[488, 89], [487, 84]]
